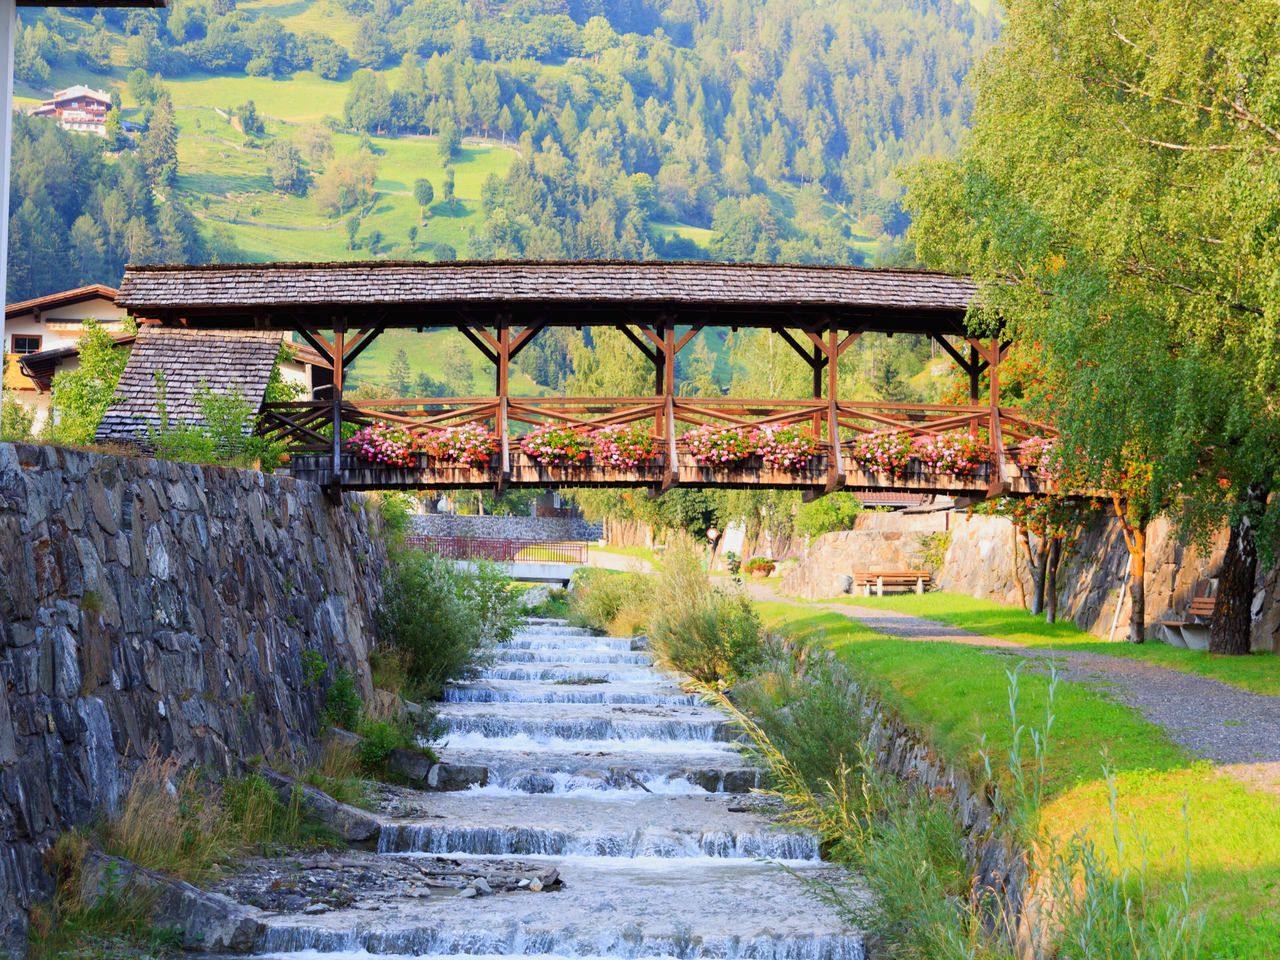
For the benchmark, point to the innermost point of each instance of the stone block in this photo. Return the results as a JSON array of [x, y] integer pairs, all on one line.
[[457, 776]]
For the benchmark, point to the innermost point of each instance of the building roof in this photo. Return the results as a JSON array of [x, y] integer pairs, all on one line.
[[80, 90], [400, 290], [189, 360], [40, 367], [66, 298]]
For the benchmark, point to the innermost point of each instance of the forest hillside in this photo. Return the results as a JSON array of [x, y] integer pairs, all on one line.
[[726, 129]]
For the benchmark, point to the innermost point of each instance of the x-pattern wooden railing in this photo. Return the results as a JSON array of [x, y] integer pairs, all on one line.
[[301, 423]]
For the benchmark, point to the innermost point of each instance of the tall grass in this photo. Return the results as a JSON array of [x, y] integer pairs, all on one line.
[[614, 603], [917, 892], [709, 632]]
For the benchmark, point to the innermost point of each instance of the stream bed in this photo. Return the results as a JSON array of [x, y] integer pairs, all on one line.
[[624, 794]]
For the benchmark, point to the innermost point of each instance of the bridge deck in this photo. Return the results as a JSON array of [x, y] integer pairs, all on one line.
[[358, 474]]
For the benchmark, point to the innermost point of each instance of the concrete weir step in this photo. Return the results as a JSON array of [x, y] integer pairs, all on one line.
[[741, 910], [600, 767]]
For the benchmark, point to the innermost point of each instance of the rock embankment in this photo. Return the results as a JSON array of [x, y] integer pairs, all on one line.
[[147, 605]]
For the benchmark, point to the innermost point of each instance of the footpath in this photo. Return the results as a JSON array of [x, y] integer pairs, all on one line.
[[1213, 720]]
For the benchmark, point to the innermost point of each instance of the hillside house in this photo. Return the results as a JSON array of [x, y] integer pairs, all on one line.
[[78, 108]]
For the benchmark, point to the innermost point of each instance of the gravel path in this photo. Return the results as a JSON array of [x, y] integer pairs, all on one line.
[[1212, 719]]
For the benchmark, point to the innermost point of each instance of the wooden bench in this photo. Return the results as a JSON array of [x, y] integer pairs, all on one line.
[[1192, 633], [889, 578]]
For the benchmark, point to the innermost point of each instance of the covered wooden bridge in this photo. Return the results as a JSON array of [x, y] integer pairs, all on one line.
[[341, 308]]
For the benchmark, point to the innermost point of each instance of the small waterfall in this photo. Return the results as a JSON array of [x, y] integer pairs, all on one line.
[[508, 655], [568, 643], [567, 694], [538, 842], [600, 762], [577, 729], [626, 943], [559, 673]]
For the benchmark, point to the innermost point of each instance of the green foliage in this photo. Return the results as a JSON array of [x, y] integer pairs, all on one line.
[[1111, 210], [81, 396], [224, 431], [342, 704], [16, 418], [396, 511], [444, 621], [712, 634], [835, 511], [313, 668], [611, 602]]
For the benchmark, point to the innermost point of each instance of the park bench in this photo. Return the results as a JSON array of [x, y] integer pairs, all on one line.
[[889, 578], [1192, 633]]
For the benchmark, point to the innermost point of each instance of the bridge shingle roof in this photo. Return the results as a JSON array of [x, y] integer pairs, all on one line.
[[172, 288]]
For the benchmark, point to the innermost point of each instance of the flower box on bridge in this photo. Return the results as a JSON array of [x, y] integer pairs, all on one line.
[[359, 474]]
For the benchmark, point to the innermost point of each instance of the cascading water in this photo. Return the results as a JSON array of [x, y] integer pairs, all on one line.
[[602, 768]]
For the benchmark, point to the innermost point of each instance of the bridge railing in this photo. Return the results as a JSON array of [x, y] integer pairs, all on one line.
[[303, 424], [501, 549]]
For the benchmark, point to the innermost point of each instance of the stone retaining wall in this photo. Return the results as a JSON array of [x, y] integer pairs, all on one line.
[[979, 562], [505, 528], [152, 606]]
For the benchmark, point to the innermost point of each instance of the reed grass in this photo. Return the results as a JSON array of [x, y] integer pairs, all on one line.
[[916, 892]]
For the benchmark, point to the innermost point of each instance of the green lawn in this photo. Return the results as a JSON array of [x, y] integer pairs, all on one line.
[[958, 693], [1259, 672], [223, 183]]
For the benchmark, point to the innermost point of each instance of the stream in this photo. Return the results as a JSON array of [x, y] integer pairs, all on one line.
[[607, 777]]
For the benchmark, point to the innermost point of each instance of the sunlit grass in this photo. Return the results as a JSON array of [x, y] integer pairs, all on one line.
[[1235, 846], [1258, 672], [957, 693]]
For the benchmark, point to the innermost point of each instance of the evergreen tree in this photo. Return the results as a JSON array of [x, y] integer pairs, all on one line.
[[400, 376], [160, 143]]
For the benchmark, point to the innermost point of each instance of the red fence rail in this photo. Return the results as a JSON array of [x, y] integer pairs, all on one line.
[[501, 549]]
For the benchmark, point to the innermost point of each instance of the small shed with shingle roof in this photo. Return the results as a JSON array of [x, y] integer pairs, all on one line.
[[189, 360]]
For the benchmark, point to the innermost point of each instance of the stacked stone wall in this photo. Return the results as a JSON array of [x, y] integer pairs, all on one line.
[[981, 563], [550, 529], [153, 607]]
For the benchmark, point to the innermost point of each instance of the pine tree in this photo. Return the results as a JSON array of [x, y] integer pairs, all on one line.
[[400, 376], [160, 144]]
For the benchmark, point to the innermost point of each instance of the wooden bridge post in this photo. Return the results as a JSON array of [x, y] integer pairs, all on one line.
[[817, 387], [339, 349], [995, 435], [835, 466], [503, 390], [975, 371]]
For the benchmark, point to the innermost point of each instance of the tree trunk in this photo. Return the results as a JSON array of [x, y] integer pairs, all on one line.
[[1051, 581], [1138, 585], [1232, 617], [1038, 571]]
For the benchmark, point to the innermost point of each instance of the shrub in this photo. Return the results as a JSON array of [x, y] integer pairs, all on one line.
[[611, 602], [835, 511], [81, 396], [16, 418], [713, 635], [342, 703], [444, 621]]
